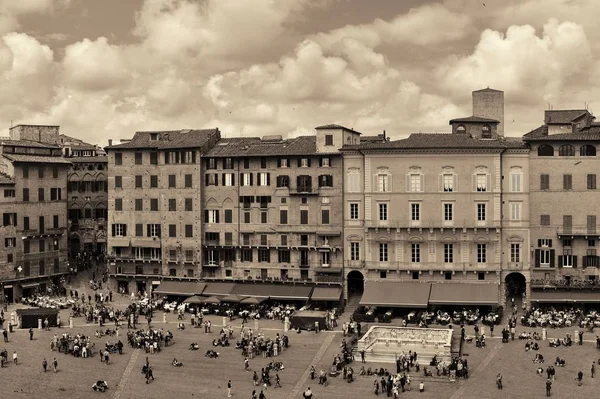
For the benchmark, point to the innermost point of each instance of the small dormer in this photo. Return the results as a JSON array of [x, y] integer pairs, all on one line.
[[330, 138], [567, 120], [476, 127]]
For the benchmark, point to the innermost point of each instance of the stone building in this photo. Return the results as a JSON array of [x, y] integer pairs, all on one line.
[[439, 208], [564, 208], [33, 174], [272, 207], [154, 209], [87, 196]]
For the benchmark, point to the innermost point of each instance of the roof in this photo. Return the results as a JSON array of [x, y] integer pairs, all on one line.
[[474, 119], [27, 143], [541, 134], [563, 116], [97, 159], [6, 179], [36, 159], [439, 141], [373, 139], [187, 138], [334, 126], [254, 146], [488, 90]]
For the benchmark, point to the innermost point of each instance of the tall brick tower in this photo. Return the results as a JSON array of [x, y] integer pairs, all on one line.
[[489, 103]]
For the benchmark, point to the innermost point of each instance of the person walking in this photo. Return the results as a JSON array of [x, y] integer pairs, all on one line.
[[499, 381], [55, 365], [548, 387], [580, 378], [254, 394], [15, 358], [362, 356], [229, 389], [246, 364], [593, 370], [277, 381], [5, 335], [262, 395], [31, 334], [45, 365]]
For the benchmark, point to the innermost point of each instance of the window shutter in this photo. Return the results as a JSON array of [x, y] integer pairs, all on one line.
[[216, 179], [298, 182], [585, 261], [241, 180], [148, 231], [278, 162], [560, 261], [224, 162], [537, 257], [320, 162], [268, 179], [216, 216], [124, 230], [233, 179], [206, 180], [550, 243], [574, 262], [113, 230], [159, 230], [223, 179], [299, 162], [206, 216], [539, 242], [251, 178], [308, 162], [552, 260]]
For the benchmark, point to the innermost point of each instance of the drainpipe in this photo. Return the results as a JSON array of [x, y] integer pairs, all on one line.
[[502, 218]]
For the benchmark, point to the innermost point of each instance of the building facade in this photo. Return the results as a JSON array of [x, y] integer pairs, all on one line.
[[87, 196], [154, 210], [564, 208], [34, 211], [272, 207]]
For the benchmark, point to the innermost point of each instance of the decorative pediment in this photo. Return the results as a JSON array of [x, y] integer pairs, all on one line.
[[515, 238]]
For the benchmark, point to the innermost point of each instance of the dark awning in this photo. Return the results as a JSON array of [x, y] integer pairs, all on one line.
[[29, 285], [326, 294], [396, 294], [218, 289], [551, 296], [253, 290], [183, 288], [585, 296], [291, 292], [464, 294]]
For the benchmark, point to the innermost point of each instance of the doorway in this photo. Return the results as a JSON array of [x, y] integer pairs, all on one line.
[[516, 285], [356, 282]]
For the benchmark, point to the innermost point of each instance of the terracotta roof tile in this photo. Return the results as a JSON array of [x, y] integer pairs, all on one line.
[[334, 126], [6, 179], [563, 116], [176, 139], [474, 119], [26, 143], [98, 159], [255, 147], [36, 159], [440, 141], [591, 134]]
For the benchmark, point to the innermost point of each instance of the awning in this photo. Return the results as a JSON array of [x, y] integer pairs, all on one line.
[[119, 242], [145, 243], [218, 289], [291, 292], [396, 294], [251, 300], [231, 299], [464, 294], [8, 286], [328, 269], [29, 285], [194, 300], [551, 296], [253, 290], [326, 294], [585, 296], [183, 288]]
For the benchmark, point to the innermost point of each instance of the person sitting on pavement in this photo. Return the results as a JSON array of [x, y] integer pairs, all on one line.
[[176, 363]]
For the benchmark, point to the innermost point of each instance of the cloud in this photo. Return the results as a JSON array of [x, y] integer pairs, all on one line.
[[527, 66], [94, 65]]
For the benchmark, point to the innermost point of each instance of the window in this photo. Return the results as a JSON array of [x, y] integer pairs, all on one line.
[[383, 274], [247, 217], [481, 213], [545, 150], [304, 217], [211, 179], [139, 230], [283, 163], [325, 181], [188, 181], [325, 162], [118, 182], [154, 204], [448, 276], [153, 158], [448, 183], [41, 172], [516, 182], [304, 162], [55, 222], [566, 150], [353, 211], [55, 194], [25, 223], [25, 172], [415, 212], [284, 256], [41, 194], [354, 251], [591, 182], [415, 275], [153, 181], [139, 204], [119, 230], [154, 230], [567, 259], [25, 195], [264, 255], [325, 259], [228, 216], [228, 179], [212, 216], [9, 193], [264, 179], [416, 185], [26, 246], [283, 181], [138, 158], [283, 216], [211, 163], [303, 239], [172, 230], [10, 242], [324, 216], [448, 212], [41, 224], [284, 240], [264, 217], [481, 253], [354, 181], [189, 230], [587, 151], [172, 181], [118, 158], [118, 204], [481, 276], [329, 139], [172, 204], [189, 204], [227, 163], [486, 132], [383, 211], [461, 129], [515, 211], [545, 258], [54, 172], [515, 253], [383, 183], [591, 223], [567, 182], [544, 182], [481, 182], [245, 179], [383, 251], [544, 220], [415, 252], [448, 253]]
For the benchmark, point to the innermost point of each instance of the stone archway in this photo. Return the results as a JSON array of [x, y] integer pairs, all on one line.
[[74, 245], [356, 282], [516, 284]]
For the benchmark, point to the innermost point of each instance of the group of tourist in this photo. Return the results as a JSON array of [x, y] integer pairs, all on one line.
[[151, 340]]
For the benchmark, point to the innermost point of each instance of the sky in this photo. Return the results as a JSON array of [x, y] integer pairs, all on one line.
[[106, 69]]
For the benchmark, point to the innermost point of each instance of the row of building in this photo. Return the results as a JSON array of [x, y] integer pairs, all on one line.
[[501, 214]]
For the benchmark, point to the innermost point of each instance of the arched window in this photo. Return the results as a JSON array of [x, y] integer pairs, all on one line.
[[486, 132], [461, 129], [566, 150], [587, 151], [545, 150]]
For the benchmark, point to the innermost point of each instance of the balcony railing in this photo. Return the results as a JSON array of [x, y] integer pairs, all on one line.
[[578, 230], [564, 283], [439, 266], [431, 224], [328, 279]]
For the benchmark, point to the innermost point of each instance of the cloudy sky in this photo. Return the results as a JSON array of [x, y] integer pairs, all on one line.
[[104, 69]]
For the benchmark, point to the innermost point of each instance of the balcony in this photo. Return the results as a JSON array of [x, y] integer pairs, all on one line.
[[578, 231], [426, 266], [459, 225], [303, 190], [328, 279]]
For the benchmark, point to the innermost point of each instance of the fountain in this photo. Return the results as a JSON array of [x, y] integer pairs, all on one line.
[[386, 344]]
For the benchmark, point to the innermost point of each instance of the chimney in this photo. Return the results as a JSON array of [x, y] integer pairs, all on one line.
[[109, 142]]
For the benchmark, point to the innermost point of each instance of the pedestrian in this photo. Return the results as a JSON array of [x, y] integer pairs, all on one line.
[[246, 364], [5, 335], [307, 394], [548, 387], [492, 330], [46, 324], [312, 372], [262, 395], [229, 389], [422, 387], [254, 394], [277, 381], [15, 359], [593, 370], [362, 356], [31, 334], [499, 381], [55, 365], [149, 375], [580, 378], [45, 364]]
